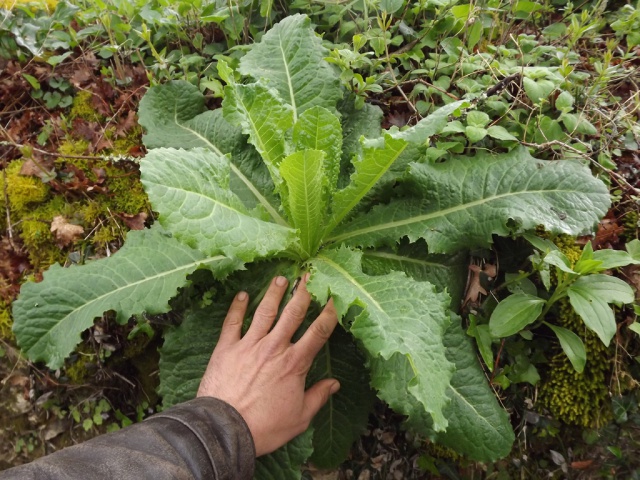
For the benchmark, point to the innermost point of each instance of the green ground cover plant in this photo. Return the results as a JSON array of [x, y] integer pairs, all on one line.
[[289, 176]]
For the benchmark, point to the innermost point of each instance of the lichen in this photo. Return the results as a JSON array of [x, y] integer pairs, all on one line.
[[571, 397]]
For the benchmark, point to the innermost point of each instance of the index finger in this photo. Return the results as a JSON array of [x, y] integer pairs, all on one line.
[[317, 334]]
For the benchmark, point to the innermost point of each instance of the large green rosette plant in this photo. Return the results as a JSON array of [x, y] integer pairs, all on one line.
[[288, 177]]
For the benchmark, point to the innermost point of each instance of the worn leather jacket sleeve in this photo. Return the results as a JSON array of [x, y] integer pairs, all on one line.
[[204, 438]]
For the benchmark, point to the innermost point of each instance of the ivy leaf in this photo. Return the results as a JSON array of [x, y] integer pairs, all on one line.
[[141, 277], [319, 129], [572, 346], [475, 134], [537, 90], [190, 190], [304, 177], [290, 57], [500, 133], [174, 115], [400, 316], [430, 125], [470, 199], [514, 313]]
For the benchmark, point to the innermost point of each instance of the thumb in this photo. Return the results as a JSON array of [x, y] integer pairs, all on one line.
[[317, 396]]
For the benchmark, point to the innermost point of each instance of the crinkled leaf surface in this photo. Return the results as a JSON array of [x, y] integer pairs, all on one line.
[[142, 277], [319, 129], [479, 427], [303, 173], [446, 272], [174, 115], [186, 351], [190, 190], [400, 316], [368, 170], [290, 58], [470, 199], [262, 116], [286, 462], [344, 417]]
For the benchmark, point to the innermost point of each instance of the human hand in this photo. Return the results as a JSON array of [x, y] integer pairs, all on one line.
[[262, 375]]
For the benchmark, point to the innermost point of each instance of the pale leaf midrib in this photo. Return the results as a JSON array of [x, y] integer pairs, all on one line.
[[439, 213], [400, 258], [289, 80], [252, 188], [84, 306]]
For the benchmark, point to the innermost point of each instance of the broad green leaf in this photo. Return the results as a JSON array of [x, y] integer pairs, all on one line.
[[174, 115], [190, 189], [572, 346], [479, 427], [368, 170], [500, 133], [446, 272], [543, 244], [470, 199], [319, 129], [483, 341], [286, 462], [262, 116], [400, 316], [356, 124], [595, 313], [514, 313], [475, 134], [186, 351], [564, 101], [304, 176], [559, 260], [613, 258], [141, 277], [477, 119], [344, 417], [635, 327], [607, 288], [537, 90], [290, 57], [633, 247]]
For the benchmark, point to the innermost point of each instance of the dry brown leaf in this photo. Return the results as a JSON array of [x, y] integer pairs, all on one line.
[[581, 464], [475, 288], [134, 222], [65, 232]]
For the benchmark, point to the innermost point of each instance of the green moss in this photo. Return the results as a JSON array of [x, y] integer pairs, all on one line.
[[73, 146], [571, 397], [6, 323], [24, 191], [82, 107]]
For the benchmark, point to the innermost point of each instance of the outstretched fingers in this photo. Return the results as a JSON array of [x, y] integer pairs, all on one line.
[[232, 325], [317, 335], [293, 314], [267, 310]]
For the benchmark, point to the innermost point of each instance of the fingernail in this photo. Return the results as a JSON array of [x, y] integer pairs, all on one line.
[[306, 277], [242, 296], [334, 388], [281, 281]]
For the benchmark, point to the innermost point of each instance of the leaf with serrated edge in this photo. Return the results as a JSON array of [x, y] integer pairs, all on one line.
[[368, 170], [319, 129], [262, 116], [478, 427], [304, 176], [173, 115], [190, 190], [141, 277], [400, 316], [290, 57], [345, 415], [446, 272], [470, 199]]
